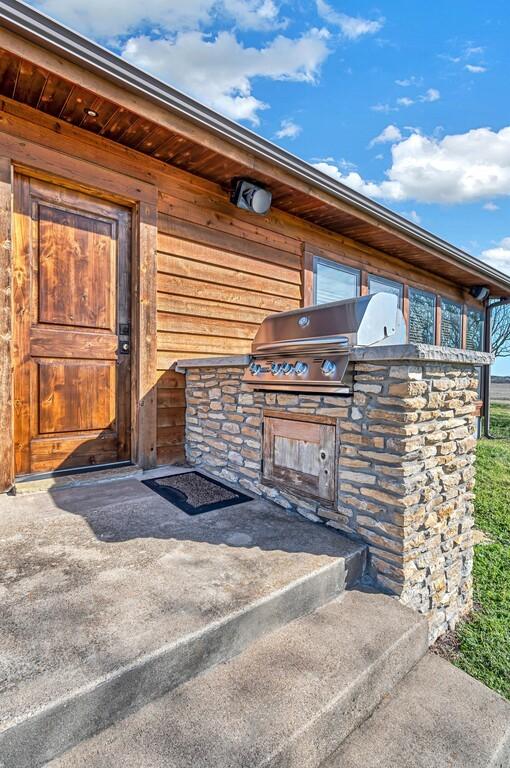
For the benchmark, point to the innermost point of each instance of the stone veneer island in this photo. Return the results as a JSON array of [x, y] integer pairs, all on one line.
[[405, 450]]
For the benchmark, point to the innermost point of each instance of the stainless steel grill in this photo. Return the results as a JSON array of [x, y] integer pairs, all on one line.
[[308, 349]]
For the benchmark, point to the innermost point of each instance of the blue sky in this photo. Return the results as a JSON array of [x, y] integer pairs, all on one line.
[[407, 102]]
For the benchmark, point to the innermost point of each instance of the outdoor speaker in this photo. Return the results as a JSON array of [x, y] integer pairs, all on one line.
[[251, 197], [479, 292]]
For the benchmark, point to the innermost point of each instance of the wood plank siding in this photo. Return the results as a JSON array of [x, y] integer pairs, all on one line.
[[205, 273], [218, 277]]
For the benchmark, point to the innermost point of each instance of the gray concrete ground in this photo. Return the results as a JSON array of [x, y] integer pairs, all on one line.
[[110, 582], [437, 717], [287, 701]]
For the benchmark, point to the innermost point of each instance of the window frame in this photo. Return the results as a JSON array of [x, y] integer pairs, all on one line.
[[410, 290], [467, 309], [390, 281], [334, 265], [462, 306]]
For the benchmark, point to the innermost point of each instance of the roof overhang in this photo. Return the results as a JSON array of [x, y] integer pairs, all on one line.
[[339, 208]]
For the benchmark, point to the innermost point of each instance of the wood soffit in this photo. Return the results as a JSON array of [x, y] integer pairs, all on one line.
[[48, 91]]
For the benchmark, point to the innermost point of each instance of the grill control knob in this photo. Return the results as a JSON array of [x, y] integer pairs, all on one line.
[[276, 368], [301, 368], [255, 368], [328, 367], [287, 368]]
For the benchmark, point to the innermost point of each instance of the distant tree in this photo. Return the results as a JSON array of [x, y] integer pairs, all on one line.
[[500, 330]]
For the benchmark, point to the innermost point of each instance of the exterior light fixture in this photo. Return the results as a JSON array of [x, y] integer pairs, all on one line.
[[479, 292], [90, 112], [250, 196]]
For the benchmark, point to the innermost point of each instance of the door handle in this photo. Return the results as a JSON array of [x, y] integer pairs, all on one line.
[[124, 348]]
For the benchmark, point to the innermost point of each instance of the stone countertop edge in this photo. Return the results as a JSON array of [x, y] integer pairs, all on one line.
[[400, 352], [422, 353]]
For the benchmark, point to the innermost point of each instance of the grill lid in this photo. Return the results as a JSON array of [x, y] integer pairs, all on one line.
[[338, 326]]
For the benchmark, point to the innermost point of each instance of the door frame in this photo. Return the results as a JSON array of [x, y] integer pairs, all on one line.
[[143, 208], [29, 194]]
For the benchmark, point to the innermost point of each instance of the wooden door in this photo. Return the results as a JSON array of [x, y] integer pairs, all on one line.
[[71, 308], [300, 454]]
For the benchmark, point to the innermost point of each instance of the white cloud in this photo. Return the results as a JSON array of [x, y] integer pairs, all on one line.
[[432, 94], [253, 14], [219, 70], [109, 19], [499, 256], [390, 134], [405, 101], [412, 215], [459, 168], [476, 50], [355, 181], [352, 27], [490, 206], [386, 108], [288, 130], [408, 81], [98, 18], [476, 69]]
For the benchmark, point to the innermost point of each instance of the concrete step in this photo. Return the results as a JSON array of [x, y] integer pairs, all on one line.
[[288, 700], [113, 597], [438, 717]]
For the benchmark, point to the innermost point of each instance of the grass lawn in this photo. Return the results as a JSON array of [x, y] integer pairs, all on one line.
[[482, 644], [500, 419]]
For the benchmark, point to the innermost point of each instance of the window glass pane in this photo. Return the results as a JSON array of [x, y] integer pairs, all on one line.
[[378, 284], [451, 323], [474, 331], [333, 282], [422, 317]]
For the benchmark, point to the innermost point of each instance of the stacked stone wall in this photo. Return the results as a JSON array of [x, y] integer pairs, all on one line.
[[224, 429], [406, 480], [406, 446]]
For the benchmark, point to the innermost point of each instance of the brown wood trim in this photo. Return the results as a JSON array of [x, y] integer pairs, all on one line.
[[464, 327], [21, 318], [308, 278], [364, 283], [405, 305], [145, 405], [6, 404], [315, 418], [438, 320]]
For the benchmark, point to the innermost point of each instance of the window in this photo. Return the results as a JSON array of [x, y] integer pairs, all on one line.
[[451, 323], [474, 331], [422, 316], [378, 284], [334, 282]]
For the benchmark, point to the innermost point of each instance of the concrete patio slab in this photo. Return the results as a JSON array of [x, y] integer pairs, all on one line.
[[437, 717], [287, 701], [111, 596]]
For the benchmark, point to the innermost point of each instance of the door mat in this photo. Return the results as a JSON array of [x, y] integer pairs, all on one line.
[[195, 493]]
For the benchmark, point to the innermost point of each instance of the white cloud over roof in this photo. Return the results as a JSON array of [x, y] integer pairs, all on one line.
[[499, 255], [219, 70], [457, 168]]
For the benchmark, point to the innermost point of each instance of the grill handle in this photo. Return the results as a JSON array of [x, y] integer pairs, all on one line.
[[315, 344]]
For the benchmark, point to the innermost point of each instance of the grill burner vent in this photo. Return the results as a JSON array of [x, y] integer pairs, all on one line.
[[308, 349]]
